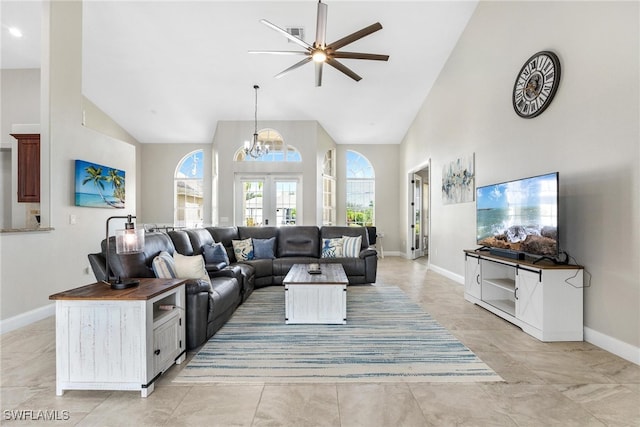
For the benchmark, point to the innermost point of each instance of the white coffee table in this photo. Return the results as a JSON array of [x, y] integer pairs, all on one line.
[[316, 298]]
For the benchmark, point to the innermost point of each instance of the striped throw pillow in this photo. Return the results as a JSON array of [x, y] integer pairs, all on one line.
[[351, 246], [163, 265]]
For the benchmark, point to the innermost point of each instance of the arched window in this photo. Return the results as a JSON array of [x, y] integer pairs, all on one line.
[[329, 189], [279, 151], [360, 190], [188, 191]]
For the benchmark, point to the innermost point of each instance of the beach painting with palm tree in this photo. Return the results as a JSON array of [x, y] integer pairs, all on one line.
[[99, 186]]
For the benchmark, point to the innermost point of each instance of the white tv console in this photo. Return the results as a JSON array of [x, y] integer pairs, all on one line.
[[545, 300]]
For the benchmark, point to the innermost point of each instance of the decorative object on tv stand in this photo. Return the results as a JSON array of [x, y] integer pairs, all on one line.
[[256, 148], [458, 181], [536, 84], [130, 240]]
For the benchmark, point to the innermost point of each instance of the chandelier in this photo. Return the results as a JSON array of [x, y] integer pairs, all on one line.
[[256, 148]]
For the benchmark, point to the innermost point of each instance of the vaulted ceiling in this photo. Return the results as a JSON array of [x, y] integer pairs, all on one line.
[[168, 71]]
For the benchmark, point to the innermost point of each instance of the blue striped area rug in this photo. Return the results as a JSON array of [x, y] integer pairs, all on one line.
[[387, 338]]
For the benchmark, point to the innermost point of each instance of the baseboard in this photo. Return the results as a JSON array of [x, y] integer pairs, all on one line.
[[448, 274], [612, 345], [27, 318]]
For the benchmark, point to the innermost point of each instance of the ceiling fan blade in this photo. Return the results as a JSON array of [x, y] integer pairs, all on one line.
[[346, 70], [286, 34], [358, 55], [355, 36], [293, 67], [280, 52], [321, 25], [319, 74]]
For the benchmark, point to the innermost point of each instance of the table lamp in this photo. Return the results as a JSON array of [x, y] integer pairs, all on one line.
[[130, 240]]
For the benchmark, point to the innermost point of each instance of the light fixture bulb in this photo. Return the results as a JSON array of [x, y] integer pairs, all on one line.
[[319, 55]]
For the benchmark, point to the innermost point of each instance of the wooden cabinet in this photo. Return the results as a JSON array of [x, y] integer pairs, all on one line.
[[119, 339], [544, 300], [28, 167]]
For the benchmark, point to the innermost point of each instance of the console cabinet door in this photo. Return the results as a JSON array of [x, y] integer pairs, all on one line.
[[167, 344], [472, 282], [529, 298]]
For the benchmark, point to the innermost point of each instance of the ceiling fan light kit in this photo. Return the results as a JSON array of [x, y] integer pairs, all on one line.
[[320, 52]]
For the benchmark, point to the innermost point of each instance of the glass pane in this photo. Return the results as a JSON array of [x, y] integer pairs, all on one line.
[[286, 192], [252, 197]]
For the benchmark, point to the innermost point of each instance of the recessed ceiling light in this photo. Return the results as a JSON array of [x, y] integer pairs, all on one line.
[[15, 32]]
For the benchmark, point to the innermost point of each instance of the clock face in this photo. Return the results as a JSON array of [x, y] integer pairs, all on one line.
[[536, 84]]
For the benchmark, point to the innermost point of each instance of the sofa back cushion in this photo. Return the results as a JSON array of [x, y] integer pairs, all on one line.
[[181, 242], [298, 241], [199, 238]]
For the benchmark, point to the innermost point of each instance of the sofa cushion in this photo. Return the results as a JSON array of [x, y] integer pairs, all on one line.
[[332, 248], [298, 241], [190, 267], [264, 248], [215, 254], [163, 265], [351, 246], [243, 249]]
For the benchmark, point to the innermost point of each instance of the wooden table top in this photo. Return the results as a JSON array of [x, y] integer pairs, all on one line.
[[147, 289], [331, 274]]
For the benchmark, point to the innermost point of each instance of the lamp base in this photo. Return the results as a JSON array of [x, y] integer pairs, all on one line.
[[124, 284]]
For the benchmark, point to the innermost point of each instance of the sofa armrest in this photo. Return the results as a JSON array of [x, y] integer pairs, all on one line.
[[211, 268], [368, 252], [195, 286]]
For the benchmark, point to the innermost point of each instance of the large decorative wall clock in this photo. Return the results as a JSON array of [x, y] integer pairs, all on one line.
[[536, 84]]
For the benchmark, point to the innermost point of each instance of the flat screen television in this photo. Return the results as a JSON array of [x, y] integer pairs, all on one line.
[[520, 215]]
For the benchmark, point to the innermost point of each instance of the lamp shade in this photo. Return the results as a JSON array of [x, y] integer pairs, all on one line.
[[129, 240]]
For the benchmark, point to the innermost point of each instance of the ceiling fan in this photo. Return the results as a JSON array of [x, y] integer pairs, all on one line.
[[322, 53]]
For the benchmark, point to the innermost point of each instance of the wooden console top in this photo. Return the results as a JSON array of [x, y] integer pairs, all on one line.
[[542, 265], [147, 289]]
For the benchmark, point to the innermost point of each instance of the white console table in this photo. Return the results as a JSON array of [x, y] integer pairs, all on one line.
[[544, 299], [119, 339]]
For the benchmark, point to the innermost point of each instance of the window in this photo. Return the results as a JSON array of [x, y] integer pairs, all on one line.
[[360, 190], [279, 151], [188, 191], [329, 189]]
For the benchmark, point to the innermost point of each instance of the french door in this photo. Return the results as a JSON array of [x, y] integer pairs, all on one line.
[[273, 200]]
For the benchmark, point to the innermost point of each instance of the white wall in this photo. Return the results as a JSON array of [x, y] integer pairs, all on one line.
[[589, 134], [38, 264], [158, 167]]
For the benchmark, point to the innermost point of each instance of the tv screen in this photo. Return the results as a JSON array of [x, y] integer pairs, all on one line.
[[520, 215]]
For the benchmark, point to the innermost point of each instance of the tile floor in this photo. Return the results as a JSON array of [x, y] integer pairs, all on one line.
[[546, 384]]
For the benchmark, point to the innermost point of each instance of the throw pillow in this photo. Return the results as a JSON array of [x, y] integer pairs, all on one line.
[[243, 249], [164, 266], [190, 267], [351, 246], [215, 254], [264, 248], [332, 248]]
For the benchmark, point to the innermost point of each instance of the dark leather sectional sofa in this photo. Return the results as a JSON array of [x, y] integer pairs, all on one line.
[[209, 307]]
